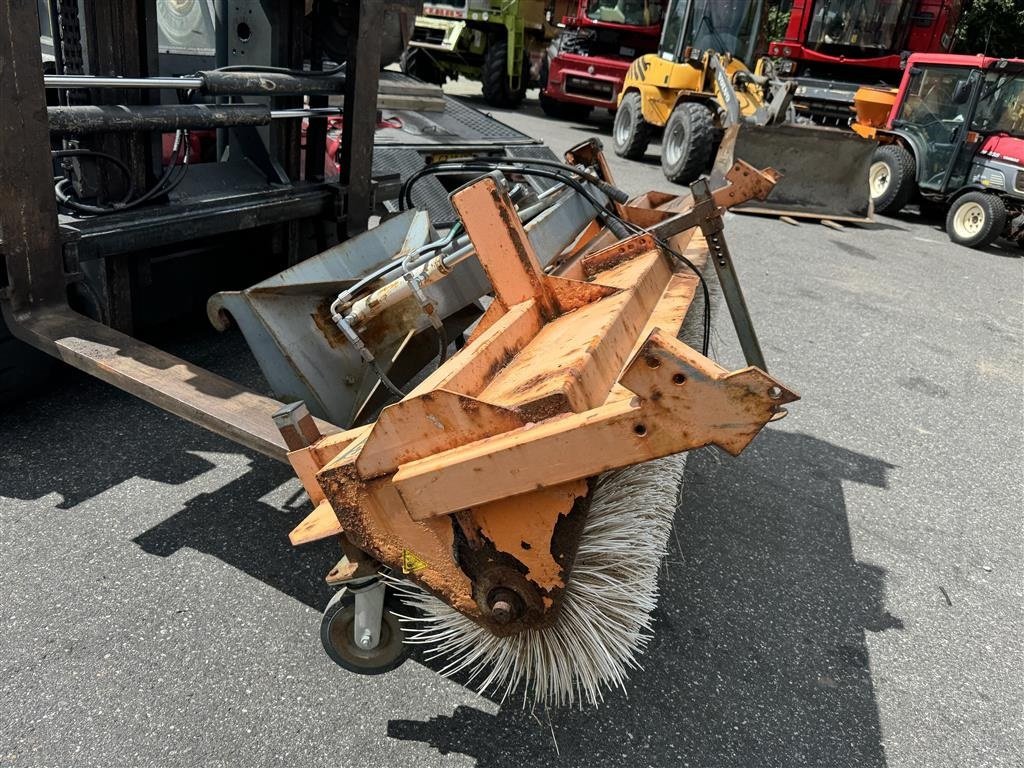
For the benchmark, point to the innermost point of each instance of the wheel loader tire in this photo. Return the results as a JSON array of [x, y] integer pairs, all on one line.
[[976, 219], [417, 63], [892, 178], [563, 110], [23, 369], [688, 142], [494, 77], [630, 132]]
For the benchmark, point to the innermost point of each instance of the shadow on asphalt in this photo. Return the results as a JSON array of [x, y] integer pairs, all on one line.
[[760, 655], [111, 436], [233, 525], [118, 438]]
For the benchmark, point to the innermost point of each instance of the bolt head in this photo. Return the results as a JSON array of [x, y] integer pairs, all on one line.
[[501, 611]]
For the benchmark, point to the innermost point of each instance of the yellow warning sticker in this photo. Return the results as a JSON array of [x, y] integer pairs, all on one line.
[[411, 562]]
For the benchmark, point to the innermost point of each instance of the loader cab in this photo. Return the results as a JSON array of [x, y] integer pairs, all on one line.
[[946, 113], [723, 26]]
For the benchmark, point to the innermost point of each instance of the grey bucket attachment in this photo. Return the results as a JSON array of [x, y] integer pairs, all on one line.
[[286, 323], [824, 170]]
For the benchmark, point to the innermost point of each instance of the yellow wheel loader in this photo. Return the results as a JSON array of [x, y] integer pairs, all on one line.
[[698, 91]]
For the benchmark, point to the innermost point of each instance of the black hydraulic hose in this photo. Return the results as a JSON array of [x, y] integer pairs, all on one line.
[[165, 185], [623, 226], [283, 70], [442, 345], [522, 165], [120, 164]]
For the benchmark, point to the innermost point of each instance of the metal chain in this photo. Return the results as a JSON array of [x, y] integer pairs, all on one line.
[[71, 46]]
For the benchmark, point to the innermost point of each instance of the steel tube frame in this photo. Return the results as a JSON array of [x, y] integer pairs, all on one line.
[[95, 81]]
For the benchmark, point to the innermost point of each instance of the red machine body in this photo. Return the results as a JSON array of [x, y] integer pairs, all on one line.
[[833, 46], [954, 136], [587, 62]]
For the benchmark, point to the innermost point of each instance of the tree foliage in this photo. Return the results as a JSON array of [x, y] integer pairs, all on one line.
[[992, 27]]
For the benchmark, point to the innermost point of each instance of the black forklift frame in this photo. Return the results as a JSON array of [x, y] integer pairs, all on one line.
[[36, 268]]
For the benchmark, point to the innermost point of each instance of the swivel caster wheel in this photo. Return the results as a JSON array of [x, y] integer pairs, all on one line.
[[359, 630]]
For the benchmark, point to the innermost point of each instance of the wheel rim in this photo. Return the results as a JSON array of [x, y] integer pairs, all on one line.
[[340, 635], [880, 178], [969, 220], [621, 126], [674, 141]]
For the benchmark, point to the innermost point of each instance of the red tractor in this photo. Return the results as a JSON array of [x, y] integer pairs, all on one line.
[[832, 46], [587, 62], [952, 134]]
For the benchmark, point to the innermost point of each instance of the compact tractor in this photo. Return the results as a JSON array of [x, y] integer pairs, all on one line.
[[587, 62], [832, 46], [501, 43], [952, 134]]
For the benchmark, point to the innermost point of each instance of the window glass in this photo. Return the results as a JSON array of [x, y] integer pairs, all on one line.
[[1001, 107], [636, 13], [873, 26]]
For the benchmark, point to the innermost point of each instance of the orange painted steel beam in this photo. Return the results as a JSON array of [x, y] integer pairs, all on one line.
[[682, 401], [569, 376]]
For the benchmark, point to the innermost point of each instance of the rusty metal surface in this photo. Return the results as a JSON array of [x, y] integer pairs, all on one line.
[[684, 401], [483, 491], [288, 328], [170, 383], [824, 171], [28, 211]]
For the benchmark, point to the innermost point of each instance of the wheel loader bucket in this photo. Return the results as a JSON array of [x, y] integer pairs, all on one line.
[[824, 170]]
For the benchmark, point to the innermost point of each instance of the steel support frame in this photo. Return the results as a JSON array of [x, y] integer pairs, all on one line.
[[34, 281], [362, 72]]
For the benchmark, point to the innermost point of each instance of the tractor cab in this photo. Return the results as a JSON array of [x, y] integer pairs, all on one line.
[[954, 135], [954, 117]]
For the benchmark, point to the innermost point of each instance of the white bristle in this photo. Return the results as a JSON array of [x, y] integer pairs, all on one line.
[[605, 618]]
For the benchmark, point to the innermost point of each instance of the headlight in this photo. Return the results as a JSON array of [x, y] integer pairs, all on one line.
[[993, 179]]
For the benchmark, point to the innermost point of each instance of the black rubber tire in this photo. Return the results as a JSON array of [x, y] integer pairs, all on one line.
[[902, 178], [688, 142], [24, 370], [494, 76], [563, 110], [336, 636], [630, 132], [417, 63], [990, 225]]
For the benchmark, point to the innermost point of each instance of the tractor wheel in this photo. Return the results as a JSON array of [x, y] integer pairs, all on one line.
[[563, 110], [494, 76], [337, 633], [417, 63], [976, 219], [891, 178], [688, 142], [630, 133]]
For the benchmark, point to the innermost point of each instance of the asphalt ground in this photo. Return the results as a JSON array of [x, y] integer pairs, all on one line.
[[848, 592]]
